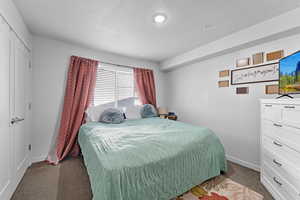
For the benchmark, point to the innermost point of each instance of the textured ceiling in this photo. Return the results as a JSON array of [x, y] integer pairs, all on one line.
[[127, 28]]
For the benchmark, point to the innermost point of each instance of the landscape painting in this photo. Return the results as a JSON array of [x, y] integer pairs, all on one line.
[[289, 81]]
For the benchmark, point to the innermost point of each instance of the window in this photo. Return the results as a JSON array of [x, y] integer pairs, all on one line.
[[115, 86]]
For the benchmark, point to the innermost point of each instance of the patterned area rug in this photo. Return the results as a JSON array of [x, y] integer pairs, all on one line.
[[220, 188]]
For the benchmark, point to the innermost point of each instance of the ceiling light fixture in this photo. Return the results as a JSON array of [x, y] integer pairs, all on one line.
[[159, 18]]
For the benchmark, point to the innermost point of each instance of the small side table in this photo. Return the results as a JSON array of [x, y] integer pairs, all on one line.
[[170, 117]]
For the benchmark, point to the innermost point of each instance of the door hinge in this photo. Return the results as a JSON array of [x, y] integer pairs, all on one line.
[[29, 106], [29, 147], [29, 65]]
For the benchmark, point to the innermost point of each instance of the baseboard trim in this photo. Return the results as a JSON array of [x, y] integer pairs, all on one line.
[[38, 158], [230, 158], [243, 163]]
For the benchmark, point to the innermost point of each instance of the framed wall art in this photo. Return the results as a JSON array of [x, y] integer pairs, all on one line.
[[257, 74], [242, 90], [223, 84], [242, 62], [275, 55], [272, 89], [258, 58], [224, 73]]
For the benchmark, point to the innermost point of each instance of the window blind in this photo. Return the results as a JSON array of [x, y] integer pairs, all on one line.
[[105, 90], [125, 85], [114, 85]]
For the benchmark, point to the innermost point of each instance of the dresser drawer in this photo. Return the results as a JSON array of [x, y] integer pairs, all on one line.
[[287, 169], [288, 135], [290, 115], [273, 191], [287, 190], [271, 112], [280, 149]]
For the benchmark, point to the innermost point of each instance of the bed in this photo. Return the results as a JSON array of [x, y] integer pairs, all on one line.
[[148, 159]]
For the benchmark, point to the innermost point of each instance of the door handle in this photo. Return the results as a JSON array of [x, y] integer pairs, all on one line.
[[20, 119], [13, 120], [278, 125], [16, 120]]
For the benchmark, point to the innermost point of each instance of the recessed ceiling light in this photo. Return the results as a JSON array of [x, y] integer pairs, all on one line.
[[160, 18]]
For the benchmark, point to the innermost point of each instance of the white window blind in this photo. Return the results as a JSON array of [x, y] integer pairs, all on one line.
[[115, 86], [125, 85], [105, 87]]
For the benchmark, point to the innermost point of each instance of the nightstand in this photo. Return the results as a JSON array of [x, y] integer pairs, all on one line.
[[170, 117]]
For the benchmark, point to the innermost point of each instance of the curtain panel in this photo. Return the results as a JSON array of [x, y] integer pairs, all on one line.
[[145, 83], [79, 93]]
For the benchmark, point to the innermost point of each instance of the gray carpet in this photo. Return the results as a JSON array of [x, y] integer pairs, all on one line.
[[69, 181]]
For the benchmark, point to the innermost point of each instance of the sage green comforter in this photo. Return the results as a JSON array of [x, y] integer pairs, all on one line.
[[148, 159]]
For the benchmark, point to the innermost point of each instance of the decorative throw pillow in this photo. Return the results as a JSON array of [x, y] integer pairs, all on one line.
[[112, 116], [148, 111]]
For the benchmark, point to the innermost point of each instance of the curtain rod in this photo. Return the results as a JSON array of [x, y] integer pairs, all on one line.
[[127, 66], [119, 65]]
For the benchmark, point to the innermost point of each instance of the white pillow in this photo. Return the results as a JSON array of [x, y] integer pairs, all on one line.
[[93, 112], [133, 112]]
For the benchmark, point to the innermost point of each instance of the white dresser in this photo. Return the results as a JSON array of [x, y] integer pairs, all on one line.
[[280, 147]]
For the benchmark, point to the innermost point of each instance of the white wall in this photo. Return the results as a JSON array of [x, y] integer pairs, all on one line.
[[194, 94], [50, 65], [277, 27], [11, 14]]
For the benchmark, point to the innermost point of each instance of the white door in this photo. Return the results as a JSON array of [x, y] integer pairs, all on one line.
[[5, 136], [19, 108]]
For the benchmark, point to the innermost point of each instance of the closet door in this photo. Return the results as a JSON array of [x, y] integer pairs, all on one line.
[[19, 107], [5, 136]]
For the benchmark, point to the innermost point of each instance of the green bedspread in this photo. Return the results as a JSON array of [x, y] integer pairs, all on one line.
[[148, 159]]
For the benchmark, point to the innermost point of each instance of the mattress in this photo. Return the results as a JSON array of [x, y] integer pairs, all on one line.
[[148, 159]]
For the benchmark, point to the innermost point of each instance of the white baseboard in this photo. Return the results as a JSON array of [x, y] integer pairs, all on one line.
[[230, 158], [40, 158], [243, 163]]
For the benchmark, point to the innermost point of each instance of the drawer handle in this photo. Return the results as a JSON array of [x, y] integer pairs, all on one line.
[[276, 181], [289, 106], [277, 163], [278, 125], [277, 143], [267, 105]]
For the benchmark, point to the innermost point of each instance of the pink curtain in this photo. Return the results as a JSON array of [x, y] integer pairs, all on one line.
[[144, 80], [78, 95]]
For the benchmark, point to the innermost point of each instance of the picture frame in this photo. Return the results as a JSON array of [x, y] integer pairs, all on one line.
[[272, 89], [223, 84], [242, 62], [275, 55], [224, 73], [258, 58], [242, 90], [256, 74]]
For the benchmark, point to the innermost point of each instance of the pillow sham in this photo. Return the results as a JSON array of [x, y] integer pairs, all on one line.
[[133, 112], [93, 112], [112, 116], [148, 111]]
